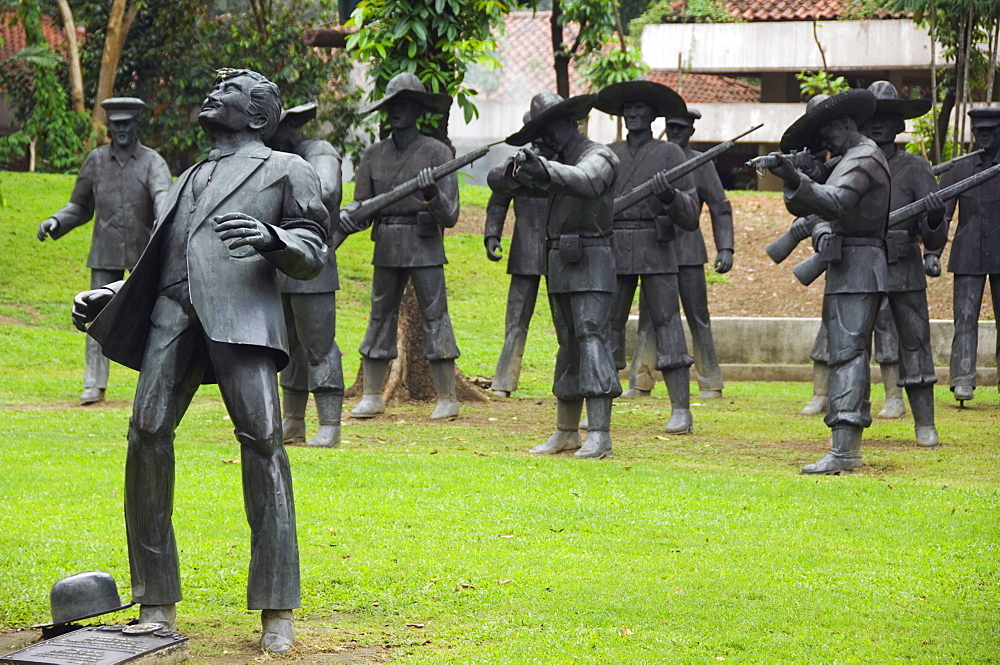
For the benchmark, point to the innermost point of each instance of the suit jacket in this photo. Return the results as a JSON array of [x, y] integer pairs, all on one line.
[[637, 249], [689, 246], [911, 180], [527, 246], [975, 249], [236, 299]]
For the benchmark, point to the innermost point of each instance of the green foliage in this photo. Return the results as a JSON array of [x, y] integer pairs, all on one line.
[[692, 11], [438, 40], [596, 51], [614, 67], [175, 46], [820, 83], [43, 109], [923, 138]]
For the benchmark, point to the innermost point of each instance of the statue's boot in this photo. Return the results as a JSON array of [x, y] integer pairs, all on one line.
[[678, 382], [922, 405], [598, 442], [443, 373], [844, 455], [821, 390], [91, 395], [278, 631], [710, 394], [328, 407], [963, 393], [293, 411], [567, 434], [894, 406], [373, 373], [636, 393], [165, 615]]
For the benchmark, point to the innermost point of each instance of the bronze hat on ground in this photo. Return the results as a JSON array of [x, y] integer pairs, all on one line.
[[83, 596]]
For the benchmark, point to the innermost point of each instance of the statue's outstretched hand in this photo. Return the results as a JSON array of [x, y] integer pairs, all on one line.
[[88, 304], [46, 228], [239, 230]]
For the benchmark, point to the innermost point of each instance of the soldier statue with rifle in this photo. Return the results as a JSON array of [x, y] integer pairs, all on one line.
[[580, 266], [409, 241], [644, 234], [975, 249], [854, 205]]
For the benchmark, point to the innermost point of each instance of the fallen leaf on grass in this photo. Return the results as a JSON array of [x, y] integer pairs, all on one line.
[[625, 632], [511, 536], [463, 585], [375, 604], [504, 581], [433, 452], [479, 454], [414, 625], [230, 461]]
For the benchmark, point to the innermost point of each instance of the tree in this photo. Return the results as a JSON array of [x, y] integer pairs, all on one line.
[[961, 27]]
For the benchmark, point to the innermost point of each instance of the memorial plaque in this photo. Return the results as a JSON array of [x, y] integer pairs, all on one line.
[[104, 645]]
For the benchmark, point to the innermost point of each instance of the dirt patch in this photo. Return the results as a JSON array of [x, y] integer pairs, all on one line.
[[756, 286]]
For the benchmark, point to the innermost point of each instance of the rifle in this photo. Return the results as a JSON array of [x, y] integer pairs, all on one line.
[[797, 158], [809, 270], [780, 249], [648, 188], [355, 219], [944, 167]]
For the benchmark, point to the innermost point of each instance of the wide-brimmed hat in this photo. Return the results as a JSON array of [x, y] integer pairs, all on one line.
[[122, 108], [687, 118], [298, 115], [83, 596], [856, 103], [408, 86], [612, 98], [887, 100], [985, 116], [546, 106]]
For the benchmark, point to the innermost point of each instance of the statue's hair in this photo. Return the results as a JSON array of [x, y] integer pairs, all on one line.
[[264, 97]]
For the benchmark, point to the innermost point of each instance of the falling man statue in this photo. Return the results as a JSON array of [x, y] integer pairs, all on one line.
[[203, 306], [123, 186]]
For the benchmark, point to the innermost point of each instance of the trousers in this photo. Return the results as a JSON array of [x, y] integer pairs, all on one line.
[[584, 364], [521, 298], [314, 361], [95, 366], [965, 344]]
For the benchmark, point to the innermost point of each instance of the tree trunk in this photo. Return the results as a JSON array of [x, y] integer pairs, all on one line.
[[75, 72], [119, 23], [560, 54], [409, 375], [941, 133]]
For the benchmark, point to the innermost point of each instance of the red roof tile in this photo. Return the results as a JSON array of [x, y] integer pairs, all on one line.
[[708, 88], [14, 40], [779, 10]]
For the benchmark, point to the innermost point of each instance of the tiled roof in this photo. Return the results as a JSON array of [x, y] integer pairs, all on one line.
[[780, 10], [708, 88], [526, 55], [14, 40]]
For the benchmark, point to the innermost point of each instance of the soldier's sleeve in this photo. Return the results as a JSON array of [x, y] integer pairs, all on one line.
[[158, 181], [589, 178], [304, 225], [364, 189], [496, 213], [80, 208], [849, 182], [444, 206], [326, 161]]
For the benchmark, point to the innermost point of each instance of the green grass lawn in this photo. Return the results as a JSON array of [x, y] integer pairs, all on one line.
[[435, 543]]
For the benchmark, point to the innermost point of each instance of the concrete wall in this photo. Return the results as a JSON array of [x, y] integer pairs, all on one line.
[[751, 48], [777, 349]]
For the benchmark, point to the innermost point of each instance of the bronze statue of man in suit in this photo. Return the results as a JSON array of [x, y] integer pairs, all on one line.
[[203, 306], [122, 186]]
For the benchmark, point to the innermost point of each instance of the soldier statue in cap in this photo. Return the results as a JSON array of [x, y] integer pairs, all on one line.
[[409, 243], [645, 234], [580, 266], [854, 205], [203, 306], [122, 186], [314, 364], [975, 249], [525, 265]]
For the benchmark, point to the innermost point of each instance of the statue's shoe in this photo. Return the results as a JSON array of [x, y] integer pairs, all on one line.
[[681, 422], [710, 394], [279, 633], [831, 465], [327, 436], [816, 406], [893, 408], [635, 393], [92, 396], [165, 615], [293, 430], [369, 407], [558, 442], [597, 446], [445, 409], [927, 436]]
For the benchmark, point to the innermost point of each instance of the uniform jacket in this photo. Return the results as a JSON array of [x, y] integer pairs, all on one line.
[[127, 197], [527, 246], [689, 246], [911, 180], [636, 245], [855, 202], [400, 245], [325, 160], [579, 202], [975, 249], [236, 299]]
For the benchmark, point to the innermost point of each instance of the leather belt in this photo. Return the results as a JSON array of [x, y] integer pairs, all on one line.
[[398, 219], [863, 242], [585, 241], [635, 224]]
